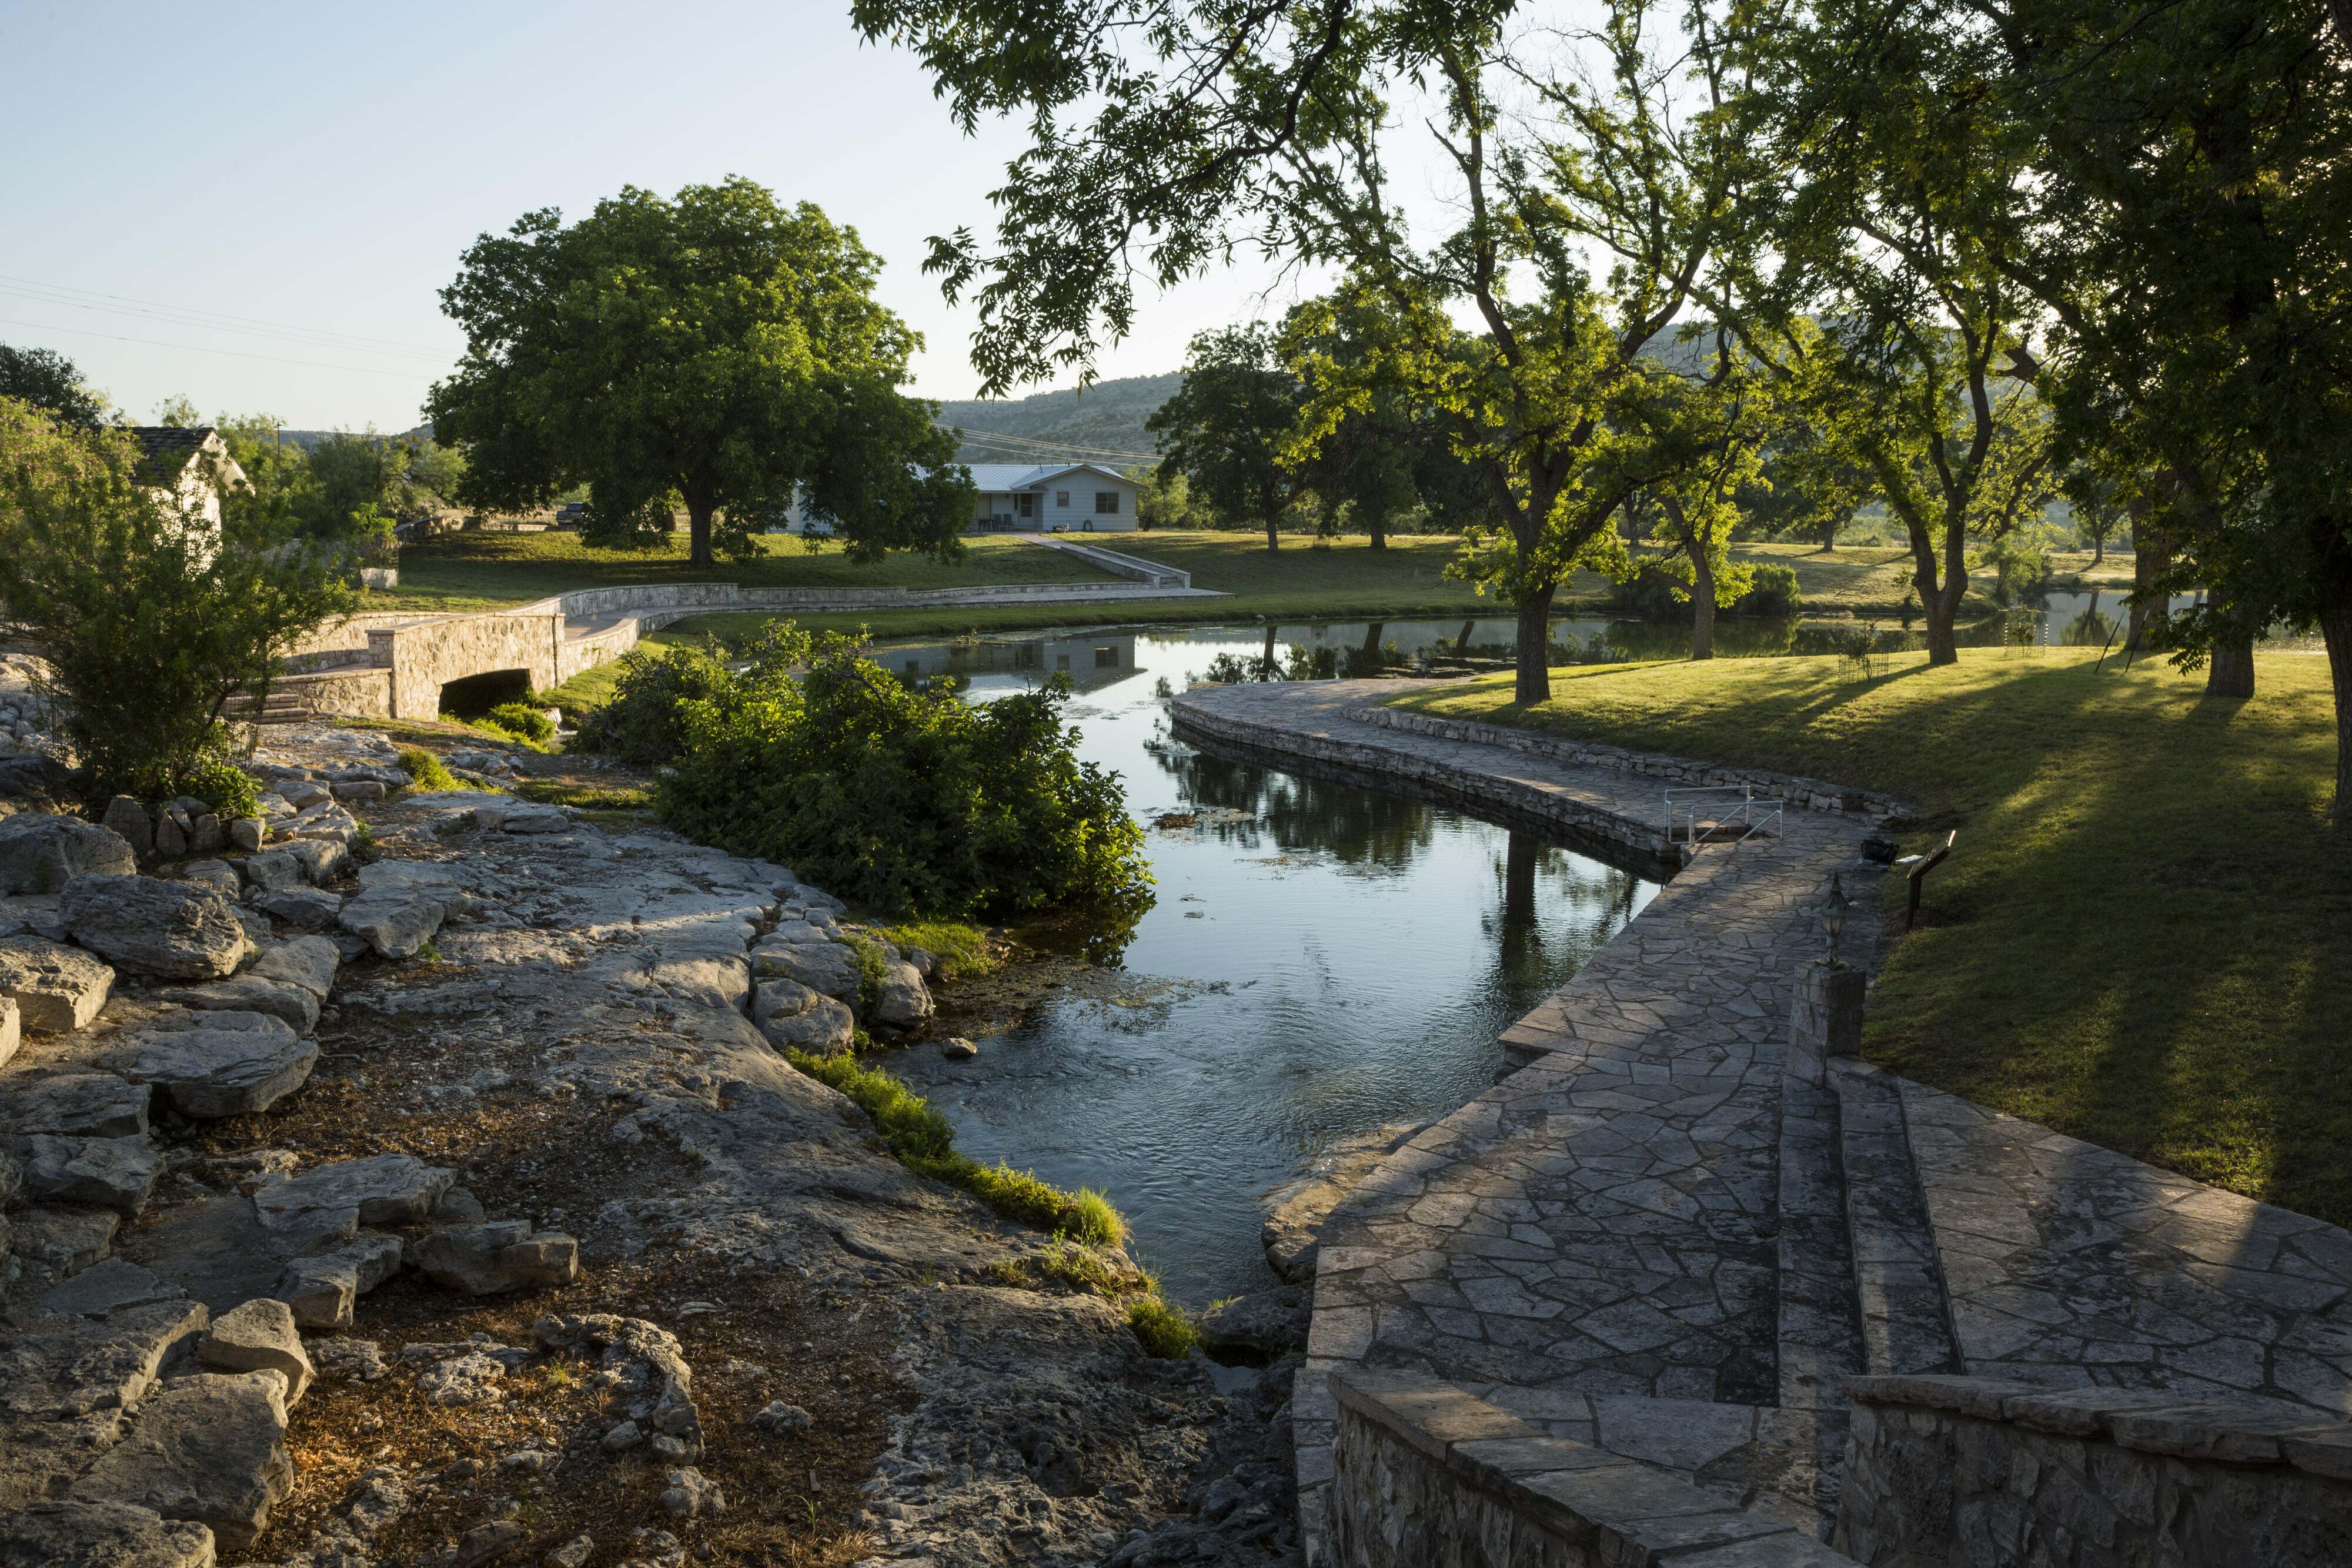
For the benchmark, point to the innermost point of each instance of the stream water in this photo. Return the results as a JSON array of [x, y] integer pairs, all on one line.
[[1321, 959]]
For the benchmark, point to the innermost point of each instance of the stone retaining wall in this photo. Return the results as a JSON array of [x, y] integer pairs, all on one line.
[[1428, 1477], [1962, 1471], [1648, 846], [1811, 794]]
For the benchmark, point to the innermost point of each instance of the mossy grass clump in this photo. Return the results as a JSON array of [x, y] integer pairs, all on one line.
[[961, 949], [424, 771], [1164, 1329], [922, 1140], [873, 970]]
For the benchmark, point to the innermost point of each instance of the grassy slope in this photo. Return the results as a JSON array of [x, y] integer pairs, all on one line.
[[473, 571], [2138, 938]]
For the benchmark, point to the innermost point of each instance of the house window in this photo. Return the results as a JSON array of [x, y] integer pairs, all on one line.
[[1062, 663], [1061, 497], [1027, 502], [1105, 503], [1107, 658]]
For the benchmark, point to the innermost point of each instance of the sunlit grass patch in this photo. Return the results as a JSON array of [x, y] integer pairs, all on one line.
[[2137, 939]]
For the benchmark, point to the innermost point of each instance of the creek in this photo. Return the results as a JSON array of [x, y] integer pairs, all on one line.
[[1321, 959]]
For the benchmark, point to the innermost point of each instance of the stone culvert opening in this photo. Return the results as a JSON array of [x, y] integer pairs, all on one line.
[[476, 696]]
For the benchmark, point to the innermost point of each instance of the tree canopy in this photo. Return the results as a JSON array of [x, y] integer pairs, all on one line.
[[1223, 432], [718, 350]]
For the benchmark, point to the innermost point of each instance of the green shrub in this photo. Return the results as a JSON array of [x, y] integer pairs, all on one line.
[[221, 784], [1649, 595], [903, 801], [424, 771], [1165, 1331], [872, 969], [921, 1138], [645, 722], [522, 719], [154, 619], [1771, 590]]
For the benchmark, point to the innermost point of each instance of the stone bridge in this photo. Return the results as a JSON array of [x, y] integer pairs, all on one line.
[[397, 664]]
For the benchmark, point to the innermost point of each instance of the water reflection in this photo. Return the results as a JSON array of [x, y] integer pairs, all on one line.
[[1321, 959]]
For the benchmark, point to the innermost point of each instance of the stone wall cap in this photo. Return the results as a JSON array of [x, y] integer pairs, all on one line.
[[1430, 1414], [2080, 1411], [2230, 1431], [1983, 1397]]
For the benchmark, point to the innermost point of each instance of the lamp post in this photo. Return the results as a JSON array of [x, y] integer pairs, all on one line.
[[1834, 910]]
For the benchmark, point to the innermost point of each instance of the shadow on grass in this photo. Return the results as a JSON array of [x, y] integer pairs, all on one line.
[[2138, 940]]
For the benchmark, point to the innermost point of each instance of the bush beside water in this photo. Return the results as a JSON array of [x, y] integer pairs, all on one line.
[[903, 801]]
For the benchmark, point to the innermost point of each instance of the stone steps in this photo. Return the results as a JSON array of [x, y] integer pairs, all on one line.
[[1906, 1314]]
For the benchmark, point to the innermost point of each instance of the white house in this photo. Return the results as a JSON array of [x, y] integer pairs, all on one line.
[[1053, 497], [1027, 497]]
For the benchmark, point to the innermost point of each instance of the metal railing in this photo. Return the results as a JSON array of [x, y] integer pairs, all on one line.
[[1752, 813]]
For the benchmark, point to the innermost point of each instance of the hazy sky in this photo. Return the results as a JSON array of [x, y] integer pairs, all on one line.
[[314, 172]]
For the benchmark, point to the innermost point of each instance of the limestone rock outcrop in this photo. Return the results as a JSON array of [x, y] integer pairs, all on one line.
[[176, 930]]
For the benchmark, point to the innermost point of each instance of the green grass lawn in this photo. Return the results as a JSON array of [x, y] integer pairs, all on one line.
[[476, 571], [2139, 938]]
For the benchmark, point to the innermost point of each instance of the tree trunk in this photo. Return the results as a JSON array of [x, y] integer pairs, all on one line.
[[1273, 520], [2098, 549], [1534, 648], [2148, 557], [2230, 671], [2335, 632], [1942, 608], [1379, 530], [1829, 536], [1703, 612], [698, 522]]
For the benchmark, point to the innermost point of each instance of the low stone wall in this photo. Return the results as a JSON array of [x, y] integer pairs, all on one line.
[[1122, 565], [1811, 794], [1428, 1477], [425, 656], [356, 694], [1953, 1472], [1639, 844]]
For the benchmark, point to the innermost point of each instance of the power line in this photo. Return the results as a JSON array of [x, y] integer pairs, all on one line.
[[196, 316], [200, 349]]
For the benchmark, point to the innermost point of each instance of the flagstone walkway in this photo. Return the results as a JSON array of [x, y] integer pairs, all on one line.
[[1648, 1238]]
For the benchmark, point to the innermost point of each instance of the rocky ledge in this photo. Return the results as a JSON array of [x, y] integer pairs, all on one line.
[[438, 1194]]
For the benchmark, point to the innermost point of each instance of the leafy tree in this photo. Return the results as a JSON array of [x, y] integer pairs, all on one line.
[[1165, 502], [1807, 486], [1226, 428], [718, 347], [179, 412], [1903, 223], [151, 625], [1158, 147], [1357, 444], [47, 381], [2192, 180], [905, 800], [1710, 439]]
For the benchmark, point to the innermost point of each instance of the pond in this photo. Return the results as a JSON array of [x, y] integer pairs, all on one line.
[[1322, 959]]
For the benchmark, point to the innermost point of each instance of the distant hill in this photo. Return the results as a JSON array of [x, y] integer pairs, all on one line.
[[1104, 423], [307, 439]]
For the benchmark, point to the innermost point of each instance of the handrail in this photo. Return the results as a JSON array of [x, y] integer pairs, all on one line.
[[1755, 811]]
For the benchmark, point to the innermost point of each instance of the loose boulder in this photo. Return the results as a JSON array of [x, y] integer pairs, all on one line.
[[308, 962], [57, 988], [79, 1104], [103, 1172], [321, 1290], [227, 1064], [128, 818], [827, 967], [260, 1334], [209, 1449], [904, 1002], [176, 930], [293, 1005], [330, 1202], [41, 853], [800, 1019], [12, 1029], [218, 875], [501, 1255], [102, 1535]]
